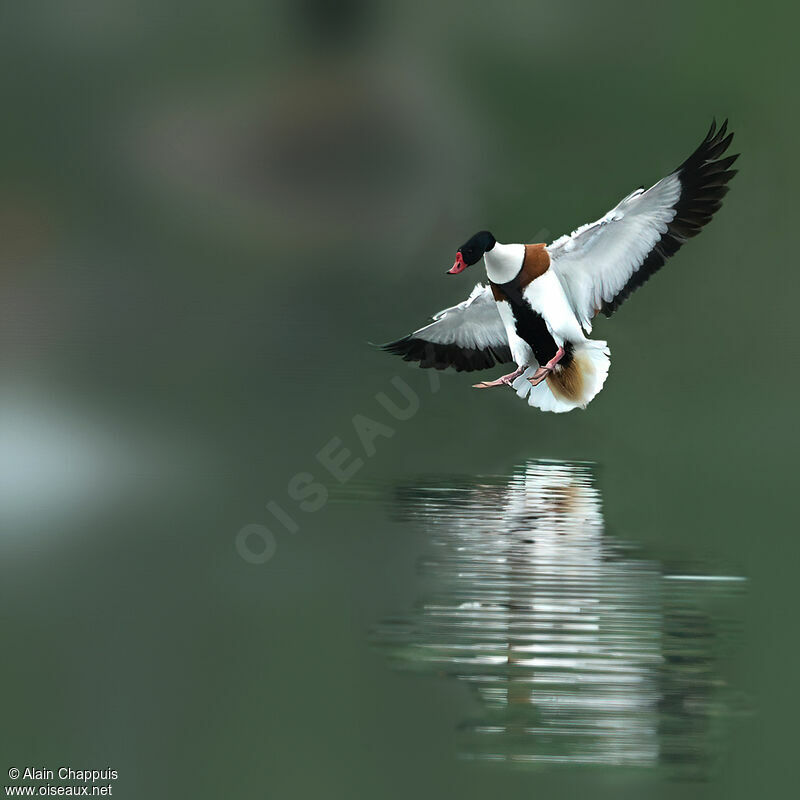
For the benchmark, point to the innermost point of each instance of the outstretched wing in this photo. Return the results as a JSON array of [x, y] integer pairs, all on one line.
[[469, 336], [601, 263]]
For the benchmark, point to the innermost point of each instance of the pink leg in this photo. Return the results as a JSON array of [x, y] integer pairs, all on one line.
[[544, 371], [505, 380]]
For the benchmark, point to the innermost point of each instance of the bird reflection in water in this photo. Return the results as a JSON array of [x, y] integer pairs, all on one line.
[[579, 649]]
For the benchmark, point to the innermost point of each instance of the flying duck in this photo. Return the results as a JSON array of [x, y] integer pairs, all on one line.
[[540, 300]]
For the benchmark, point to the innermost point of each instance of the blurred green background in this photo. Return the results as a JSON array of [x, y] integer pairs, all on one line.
[[207, 211]]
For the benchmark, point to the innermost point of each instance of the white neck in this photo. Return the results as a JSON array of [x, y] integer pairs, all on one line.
[[504, 261]]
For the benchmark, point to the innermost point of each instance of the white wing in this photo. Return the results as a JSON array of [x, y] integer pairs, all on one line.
[[601, 263], [469, 336]]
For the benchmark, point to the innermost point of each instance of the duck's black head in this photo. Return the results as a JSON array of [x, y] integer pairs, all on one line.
[[471, 252]]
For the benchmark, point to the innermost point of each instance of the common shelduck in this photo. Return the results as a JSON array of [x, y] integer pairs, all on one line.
[[540, 301]]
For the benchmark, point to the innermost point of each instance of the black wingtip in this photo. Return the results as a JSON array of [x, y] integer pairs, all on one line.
[[441, 356], [397, 347], [708, 154], [704, 178], [715, 135]]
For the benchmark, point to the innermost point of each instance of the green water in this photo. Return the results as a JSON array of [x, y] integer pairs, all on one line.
[[209, 210], [579, 650]]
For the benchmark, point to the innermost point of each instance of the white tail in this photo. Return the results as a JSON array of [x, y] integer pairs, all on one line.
[[569, 387]]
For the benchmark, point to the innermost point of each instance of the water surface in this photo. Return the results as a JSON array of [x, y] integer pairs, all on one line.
[[580, 648]]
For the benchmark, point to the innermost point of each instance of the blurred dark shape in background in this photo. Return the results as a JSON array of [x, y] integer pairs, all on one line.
[[331, 25]]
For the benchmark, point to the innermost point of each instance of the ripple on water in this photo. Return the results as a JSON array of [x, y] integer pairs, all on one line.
[[580, 649]]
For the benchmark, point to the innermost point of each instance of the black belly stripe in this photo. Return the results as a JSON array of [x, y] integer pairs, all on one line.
[[529, 324]]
